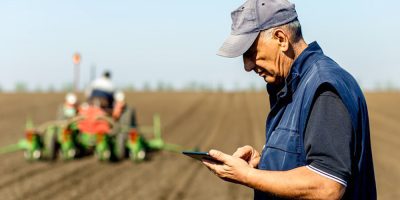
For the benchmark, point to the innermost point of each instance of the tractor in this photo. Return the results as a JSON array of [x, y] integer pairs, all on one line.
[[111, 135]]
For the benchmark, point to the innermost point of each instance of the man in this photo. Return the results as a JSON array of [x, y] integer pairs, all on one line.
[[101, 91], [317, 132]]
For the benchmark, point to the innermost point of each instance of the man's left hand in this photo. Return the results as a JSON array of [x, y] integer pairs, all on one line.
[[229, 168]]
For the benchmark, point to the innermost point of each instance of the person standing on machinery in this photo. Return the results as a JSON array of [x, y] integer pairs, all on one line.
[[101, 92]]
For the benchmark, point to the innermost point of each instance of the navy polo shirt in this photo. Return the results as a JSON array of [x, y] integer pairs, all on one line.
[[328, 137]]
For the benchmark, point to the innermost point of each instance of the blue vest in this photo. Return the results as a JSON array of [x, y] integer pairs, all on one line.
[[290, 109]]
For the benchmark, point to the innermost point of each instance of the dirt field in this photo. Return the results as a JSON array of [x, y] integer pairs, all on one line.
[[207, 120]]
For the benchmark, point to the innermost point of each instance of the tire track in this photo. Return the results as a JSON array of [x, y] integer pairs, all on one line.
[[143, 191], [185, 181], [133, 181], [30, 184], [73, 175], [15, 162], [36, 169], [182, 117], [128, 172], [193, 125], [88, 179], [234, 132]]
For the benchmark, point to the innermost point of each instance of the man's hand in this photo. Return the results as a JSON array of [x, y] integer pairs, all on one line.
[[249, 154], [230, 168], [298, 183]]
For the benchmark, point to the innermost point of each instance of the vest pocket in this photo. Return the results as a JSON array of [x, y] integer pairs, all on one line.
[[282, 151], [284, 139]]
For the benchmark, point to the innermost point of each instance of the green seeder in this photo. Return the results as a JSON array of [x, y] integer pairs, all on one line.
[[64, 138], [110, 133]]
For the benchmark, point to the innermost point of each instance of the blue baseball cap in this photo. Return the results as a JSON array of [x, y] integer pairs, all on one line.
[[251, 18]]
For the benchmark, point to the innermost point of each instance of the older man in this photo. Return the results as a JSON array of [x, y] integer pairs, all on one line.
[[317, 132]]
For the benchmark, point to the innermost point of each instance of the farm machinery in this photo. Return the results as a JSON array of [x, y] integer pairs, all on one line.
[[111, 135]]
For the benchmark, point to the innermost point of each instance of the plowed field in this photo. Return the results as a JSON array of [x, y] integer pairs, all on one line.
[[207, 120]]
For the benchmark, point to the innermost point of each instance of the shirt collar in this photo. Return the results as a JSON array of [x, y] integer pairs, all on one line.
[[299, 67]]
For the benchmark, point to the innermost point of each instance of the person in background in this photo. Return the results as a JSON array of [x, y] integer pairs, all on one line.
[[122, 112], [70, 107], [119, 105], [101, 91]]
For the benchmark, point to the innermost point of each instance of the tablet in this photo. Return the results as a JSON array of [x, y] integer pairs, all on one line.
[[199, 155]]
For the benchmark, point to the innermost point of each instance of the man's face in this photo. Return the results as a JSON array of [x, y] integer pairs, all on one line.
[[266, 59]]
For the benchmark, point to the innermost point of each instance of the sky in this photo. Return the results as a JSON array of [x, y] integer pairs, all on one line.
[[175, 41]]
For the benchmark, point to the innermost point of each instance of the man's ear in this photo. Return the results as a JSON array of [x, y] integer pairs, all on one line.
[[282, 39]]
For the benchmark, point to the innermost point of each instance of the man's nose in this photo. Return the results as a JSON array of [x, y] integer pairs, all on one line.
[[249, 63], [248, 66]]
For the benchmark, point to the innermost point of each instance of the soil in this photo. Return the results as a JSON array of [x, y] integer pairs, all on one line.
[[222, 121]]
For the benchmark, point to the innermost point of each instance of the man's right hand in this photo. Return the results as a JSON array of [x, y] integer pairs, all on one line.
[[249, 154]]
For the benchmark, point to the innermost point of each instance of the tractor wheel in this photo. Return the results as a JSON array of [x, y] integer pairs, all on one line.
[[51, 146], [120, 146], [69, 154], [104, 155], [32, 155], [141, 155], [133, 120], [138, 156], [128, 117]]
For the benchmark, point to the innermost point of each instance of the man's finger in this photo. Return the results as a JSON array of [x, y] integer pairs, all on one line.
[[254, 163], [218, 155], [239, 153], [212, 166], [208, 164], [242, 152]]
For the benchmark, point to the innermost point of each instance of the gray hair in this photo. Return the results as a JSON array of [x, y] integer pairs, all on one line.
[[294, 29]]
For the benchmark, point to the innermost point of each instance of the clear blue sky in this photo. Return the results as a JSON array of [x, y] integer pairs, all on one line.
[[175, 41]]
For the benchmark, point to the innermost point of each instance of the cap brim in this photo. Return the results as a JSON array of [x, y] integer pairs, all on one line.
[[237, 45]]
